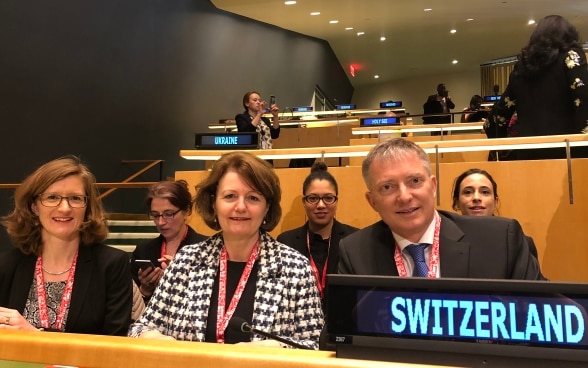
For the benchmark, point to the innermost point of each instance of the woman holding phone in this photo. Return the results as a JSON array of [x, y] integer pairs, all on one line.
[[252, 119], [170, 206]]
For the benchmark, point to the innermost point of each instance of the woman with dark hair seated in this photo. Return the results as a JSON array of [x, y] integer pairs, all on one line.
[[475, 112], [475, 193], [318, 239], [170, 207]]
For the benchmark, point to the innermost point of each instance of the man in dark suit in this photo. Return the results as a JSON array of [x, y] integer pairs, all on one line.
[[438, 104], [402, 190]]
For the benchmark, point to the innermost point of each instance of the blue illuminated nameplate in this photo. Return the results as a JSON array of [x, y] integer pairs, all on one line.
[[302, 109], [224, 141], [515, 313], [494, 98], [379, 121], [345, 107], [540, 320], [388, 104]]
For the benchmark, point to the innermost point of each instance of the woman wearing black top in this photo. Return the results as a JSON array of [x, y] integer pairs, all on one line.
[[318, 239], [547, 89], [252, 119], [170, 206]]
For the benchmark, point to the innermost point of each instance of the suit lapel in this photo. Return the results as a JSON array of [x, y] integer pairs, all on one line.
[[23, 278], [454, 254], [82, 286], [384, 247]]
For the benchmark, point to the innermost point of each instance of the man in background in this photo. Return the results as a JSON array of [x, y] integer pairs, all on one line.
[[438, 104]]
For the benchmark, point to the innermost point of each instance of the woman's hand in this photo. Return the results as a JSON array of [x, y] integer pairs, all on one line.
[[149, 278], [154, 334], [13, 320], [275, 110], [262, 107], [164, 261]]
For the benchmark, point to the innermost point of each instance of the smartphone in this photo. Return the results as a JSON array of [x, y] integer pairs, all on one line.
[[143, 263], [272, 101]]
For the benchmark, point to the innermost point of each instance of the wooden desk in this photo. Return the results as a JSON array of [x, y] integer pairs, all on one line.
[[93, 351]]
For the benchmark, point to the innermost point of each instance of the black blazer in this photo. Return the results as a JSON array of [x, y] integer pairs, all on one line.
[[432, 106], [151, 250], [102, 292], [296, 238], [487, 247], [243, 122]]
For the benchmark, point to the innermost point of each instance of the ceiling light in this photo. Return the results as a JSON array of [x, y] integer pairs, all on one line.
[[454, 62], [348, 28], [376, 76], [334, 21], [469, 19], [289, 2], [360, 33], [453, 31], [382, 38], [531, 22], [315, 13], [428, 9]]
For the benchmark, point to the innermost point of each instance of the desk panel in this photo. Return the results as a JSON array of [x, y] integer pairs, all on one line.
[[93, 351]]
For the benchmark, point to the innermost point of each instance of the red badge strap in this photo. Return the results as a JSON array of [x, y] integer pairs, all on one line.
[[433, 260], [164, 243], [222, 317], [321, 282], [42, 297]]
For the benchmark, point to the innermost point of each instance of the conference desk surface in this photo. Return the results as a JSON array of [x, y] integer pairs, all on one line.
[[94, 351]]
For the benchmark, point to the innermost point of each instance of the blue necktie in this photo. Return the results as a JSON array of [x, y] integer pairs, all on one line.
[[417, 252]]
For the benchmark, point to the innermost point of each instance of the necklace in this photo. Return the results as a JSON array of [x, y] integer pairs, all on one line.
[[56, 273]]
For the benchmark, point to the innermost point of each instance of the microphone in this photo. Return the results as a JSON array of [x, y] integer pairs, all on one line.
[[239, 324]]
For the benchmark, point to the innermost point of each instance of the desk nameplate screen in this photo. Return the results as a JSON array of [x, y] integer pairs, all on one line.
[[462, 321]]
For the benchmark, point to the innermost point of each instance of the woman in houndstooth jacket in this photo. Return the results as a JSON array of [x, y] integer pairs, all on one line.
[[239, 272]]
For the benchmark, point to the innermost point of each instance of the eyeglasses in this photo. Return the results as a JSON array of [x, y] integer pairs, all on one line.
[[166, 215], [54, 200], [314, 199]]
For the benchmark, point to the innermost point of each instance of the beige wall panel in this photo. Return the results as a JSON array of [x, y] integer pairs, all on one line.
[[533, 192]]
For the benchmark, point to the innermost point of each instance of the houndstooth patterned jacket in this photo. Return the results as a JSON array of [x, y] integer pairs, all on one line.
[[286, 301]]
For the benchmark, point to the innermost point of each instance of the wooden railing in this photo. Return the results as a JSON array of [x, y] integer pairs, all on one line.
[[124, 184], [150, 164]]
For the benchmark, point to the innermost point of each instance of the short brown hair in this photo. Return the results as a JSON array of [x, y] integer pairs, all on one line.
[[393, 149], [23, 224], [176, 192], [246, 98], [257, 173]]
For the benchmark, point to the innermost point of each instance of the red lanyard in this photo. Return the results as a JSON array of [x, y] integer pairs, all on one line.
[[222, 317], [321, 282], [164, 243], [42, 297], [433, 260]]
